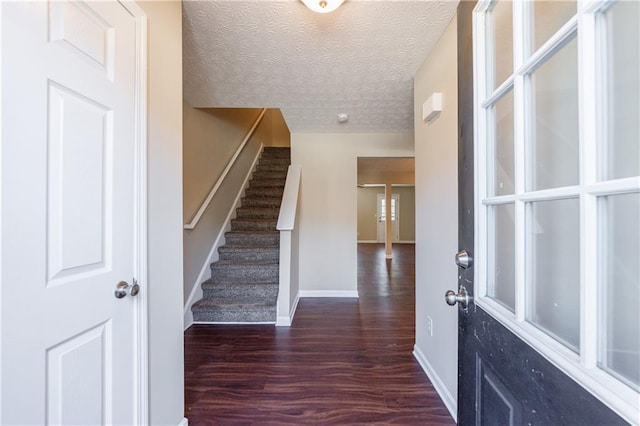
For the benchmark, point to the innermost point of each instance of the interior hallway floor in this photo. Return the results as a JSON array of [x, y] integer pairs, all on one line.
[[343, 361]]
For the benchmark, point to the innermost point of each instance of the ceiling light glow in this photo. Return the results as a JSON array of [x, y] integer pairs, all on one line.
[[323, 6]]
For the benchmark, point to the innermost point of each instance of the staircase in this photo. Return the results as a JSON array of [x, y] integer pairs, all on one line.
[[244, 281]]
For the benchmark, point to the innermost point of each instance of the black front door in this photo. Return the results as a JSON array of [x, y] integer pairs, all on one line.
[[502, 380]]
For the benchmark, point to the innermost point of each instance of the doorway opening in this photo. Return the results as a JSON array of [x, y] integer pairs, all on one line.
[[381, 216]]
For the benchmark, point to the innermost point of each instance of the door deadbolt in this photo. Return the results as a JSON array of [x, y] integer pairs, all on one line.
[[464, 259]]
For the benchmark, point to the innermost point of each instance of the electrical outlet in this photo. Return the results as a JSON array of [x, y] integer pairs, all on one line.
[[429, 326]]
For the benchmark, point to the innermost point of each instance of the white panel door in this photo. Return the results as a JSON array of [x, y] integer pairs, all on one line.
[[68, 161]]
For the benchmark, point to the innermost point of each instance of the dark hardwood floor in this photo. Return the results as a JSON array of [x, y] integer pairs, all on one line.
[[343, 361]]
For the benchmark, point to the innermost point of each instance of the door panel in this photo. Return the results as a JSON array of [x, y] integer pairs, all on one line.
[[68, 161], [78, 175], [501, 379], [78, 379], [497, 404]]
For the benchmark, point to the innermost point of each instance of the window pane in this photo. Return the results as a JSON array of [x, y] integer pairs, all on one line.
[[554, 161], [500, 43], [620, 286], [503, 147], [548, 17], [554, 256], [502, 255], [622, 150]]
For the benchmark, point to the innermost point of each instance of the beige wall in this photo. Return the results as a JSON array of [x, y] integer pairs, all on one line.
[[377, 170], [211, 136], [436, 146], [164, 124], [367, 211], [328, 204], [280, 131], [407, 212]]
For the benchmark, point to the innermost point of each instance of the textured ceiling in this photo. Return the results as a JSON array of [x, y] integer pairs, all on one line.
[[360, 59]]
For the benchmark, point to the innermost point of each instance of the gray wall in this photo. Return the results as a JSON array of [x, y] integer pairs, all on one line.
[[436, 146], [166, 360]]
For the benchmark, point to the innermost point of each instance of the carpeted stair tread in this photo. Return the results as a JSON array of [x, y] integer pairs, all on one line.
[[261, 202], [253, 225], [271, 174], [257, 192], [232, 289], [239, 301], [266, 183], [256, 238], [244, 265], [250, 253], [267, 212], [252, 271], [241, 310], [272, 151], [266, 168]]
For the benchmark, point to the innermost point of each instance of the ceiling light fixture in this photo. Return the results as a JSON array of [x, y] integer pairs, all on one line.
[[323, 6]]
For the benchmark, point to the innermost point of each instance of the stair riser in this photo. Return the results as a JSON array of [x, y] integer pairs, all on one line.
[[253, 240], [281, 168], [257, 213], [235, 314], [261, 202], [259, 291], [264, 192], [251, 255], [269, 174], [253, 225], [273, 154], [225, 273], [269, 154], [267, 183]]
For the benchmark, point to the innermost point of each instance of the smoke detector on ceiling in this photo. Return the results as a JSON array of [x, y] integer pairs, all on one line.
[[343, 117]]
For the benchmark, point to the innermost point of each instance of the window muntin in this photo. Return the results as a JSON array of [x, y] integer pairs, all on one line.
[[587, 174]]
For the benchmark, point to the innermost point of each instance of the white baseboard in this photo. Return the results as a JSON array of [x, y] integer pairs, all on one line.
[[329, 293], [286, 321], [235, 322], [448, 399], [196, 290], [184, 422]]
